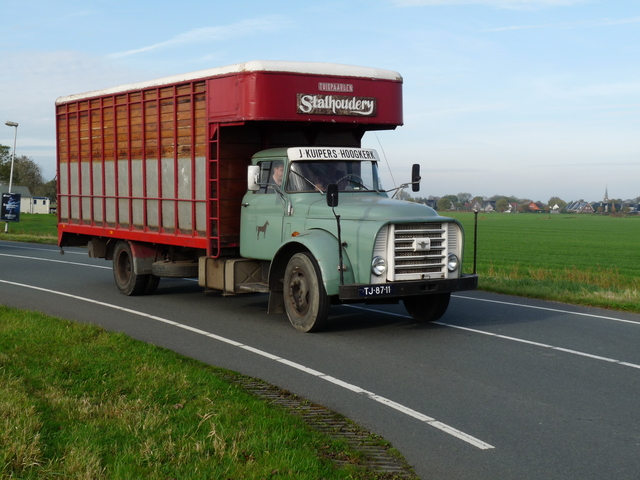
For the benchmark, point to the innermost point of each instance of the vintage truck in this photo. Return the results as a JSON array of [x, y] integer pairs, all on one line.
[[252, 178]]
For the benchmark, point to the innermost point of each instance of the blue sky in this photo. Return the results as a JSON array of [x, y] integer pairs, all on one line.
[[532, 98]]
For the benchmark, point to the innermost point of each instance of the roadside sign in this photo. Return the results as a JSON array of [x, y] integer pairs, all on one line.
[[10, 207]]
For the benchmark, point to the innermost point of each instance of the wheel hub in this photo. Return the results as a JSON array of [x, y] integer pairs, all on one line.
[[299, 292]]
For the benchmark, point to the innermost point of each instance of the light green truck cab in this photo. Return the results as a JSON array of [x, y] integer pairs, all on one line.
[[391, 250]]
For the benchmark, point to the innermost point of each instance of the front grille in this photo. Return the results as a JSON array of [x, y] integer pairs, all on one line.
[[419, 251]]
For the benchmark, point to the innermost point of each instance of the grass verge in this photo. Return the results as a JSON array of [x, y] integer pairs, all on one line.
[[79, 402], [580, 259], [32, 228]]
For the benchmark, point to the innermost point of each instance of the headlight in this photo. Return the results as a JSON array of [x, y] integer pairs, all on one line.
[[378, 266], [452, 262]]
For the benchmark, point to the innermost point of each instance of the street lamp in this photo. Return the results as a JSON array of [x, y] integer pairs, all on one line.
[[13, 157]]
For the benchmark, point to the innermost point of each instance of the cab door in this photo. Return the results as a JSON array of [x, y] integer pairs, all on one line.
[[261, 220]]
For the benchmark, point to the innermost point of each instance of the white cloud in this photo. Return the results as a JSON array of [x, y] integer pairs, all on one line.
[[513, 4], [200, 35], [585, 24], [626, 89]]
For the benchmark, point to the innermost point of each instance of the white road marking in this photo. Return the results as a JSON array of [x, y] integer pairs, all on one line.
[[557, 310], [519, 340], [21, 247], [543, 345], [54, 261], [377, 398]]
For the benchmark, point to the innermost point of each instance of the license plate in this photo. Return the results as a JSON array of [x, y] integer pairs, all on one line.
[[376, 290]]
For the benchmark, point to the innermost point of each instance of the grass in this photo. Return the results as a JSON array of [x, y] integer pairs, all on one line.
[[581, 259], [79, 402], [34, 228]]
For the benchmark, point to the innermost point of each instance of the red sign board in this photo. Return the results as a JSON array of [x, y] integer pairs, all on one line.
[[284, 96]]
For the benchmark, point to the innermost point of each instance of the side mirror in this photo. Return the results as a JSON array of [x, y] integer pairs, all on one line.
[[332, 195], [415, 178], [253, 178]]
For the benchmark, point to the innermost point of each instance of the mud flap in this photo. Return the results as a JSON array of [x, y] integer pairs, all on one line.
[[276, 302]]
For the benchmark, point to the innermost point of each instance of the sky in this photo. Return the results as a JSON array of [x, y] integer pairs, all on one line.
[[524, 98]]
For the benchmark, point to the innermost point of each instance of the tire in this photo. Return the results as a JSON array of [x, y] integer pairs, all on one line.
[[152, 285], [305, 299], [427, 308], [181, 269], [127, 281]]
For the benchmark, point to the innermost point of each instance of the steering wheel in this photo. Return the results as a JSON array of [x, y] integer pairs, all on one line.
[[352, 177]]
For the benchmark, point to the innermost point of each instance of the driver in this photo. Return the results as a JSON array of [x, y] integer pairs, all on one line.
[[278, 172]]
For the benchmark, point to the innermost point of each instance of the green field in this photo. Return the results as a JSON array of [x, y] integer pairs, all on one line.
[[583, 259]]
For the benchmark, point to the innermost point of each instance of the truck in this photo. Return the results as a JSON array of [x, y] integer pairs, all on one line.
[[252, 178]]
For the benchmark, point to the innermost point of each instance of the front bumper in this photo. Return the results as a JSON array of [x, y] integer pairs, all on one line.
[[396, 290]]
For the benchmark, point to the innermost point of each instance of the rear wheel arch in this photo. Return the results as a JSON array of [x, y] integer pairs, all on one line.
[[128, 281]]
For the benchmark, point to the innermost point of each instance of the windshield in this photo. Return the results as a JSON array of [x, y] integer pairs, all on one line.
[[352, 176]]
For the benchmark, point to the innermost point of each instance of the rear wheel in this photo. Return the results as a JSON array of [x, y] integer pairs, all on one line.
[[152, 285], [427, 308], [127, 281], [305, 299]]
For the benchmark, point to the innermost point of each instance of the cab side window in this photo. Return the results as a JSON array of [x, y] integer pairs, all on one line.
[[269, 175]]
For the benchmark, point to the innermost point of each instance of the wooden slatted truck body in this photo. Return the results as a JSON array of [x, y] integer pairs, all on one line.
[[174, 178]]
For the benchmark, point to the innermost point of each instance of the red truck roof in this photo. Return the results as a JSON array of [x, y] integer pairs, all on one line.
[[287, 91]]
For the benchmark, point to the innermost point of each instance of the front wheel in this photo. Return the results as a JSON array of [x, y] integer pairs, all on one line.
[[427, 308], [305, 299]]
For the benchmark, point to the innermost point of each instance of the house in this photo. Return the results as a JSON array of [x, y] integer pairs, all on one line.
[[607, 207], [475, 206], [28, 203], [489, 206], [580, 207], [534, 207]]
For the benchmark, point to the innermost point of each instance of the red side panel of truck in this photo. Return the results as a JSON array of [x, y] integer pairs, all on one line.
[[164, 162]]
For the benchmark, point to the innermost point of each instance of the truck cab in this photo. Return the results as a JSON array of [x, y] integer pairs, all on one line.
[[368, 248]]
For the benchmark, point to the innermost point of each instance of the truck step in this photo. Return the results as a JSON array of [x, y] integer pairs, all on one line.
[[253, 287]]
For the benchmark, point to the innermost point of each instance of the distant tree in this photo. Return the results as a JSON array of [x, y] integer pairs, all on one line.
[[28, 173], [464, 197], [403, 195], [502, 205], [5, 164], [524, 207], [495, 198], [557, 201], [50, 189], [444, 204]]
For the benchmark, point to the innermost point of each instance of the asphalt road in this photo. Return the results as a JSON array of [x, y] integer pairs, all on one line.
[[500, 388]]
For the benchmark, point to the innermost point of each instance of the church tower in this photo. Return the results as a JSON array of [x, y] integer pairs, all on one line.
[[606, 195]]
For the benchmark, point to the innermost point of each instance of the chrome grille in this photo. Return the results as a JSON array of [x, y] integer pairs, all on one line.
[[419, 250]]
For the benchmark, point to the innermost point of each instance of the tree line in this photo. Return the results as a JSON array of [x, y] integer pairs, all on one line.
[[466, 201], [26, 173]]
